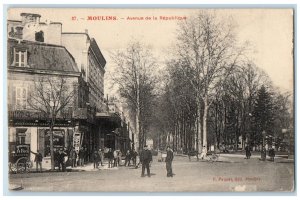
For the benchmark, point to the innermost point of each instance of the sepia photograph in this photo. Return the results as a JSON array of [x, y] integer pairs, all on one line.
[[150, 99]]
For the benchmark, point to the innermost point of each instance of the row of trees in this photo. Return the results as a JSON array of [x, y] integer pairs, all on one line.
[[212, 93]]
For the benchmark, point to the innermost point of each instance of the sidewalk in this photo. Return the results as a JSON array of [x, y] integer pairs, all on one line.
[[90, 167], [232, 158], [86, 167], [258, 156]]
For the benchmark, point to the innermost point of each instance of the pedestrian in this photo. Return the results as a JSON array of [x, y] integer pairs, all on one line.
[[127, 158], [96, 159], [110, 156], [263, 154], [169, 160], [86, 155], [145, 159], [56, 157], [134, 157], [272, 153], [248, 152], [119, 160], [115, 158], [38, 160], [81, 157], [61, 160], [203, 153], [73, 156], [101, 153], [189, 155]]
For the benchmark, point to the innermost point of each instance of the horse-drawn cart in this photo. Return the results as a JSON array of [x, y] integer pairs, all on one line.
[[19, 159]]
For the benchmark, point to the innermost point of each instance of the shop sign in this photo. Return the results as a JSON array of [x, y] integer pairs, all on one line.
[[76, 140], [22, 150]]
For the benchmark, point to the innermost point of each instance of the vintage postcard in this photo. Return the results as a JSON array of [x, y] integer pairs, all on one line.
[[150, 100]]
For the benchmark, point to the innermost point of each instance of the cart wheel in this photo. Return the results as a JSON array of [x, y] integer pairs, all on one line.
[[214, 158], [23, 165], [12, 168]]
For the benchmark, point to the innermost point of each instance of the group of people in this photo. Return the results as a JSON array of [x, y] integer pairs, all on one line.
[[98, 158], [146, 159], [75, 158], [114, 158], [263, 153]]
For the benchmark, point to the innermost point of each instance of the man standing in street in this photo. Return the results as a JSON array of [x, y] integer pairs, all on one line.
[[96, 159], [110, 156], [145, 159], [169, 160], [248, 152], [101, 153], [127, 158], [38, 160], [73, 157], [81, 157], [134, 156], [61, 160]]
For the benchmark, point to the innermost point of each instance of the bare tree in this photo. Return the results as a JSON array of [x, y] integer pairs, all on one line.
[[135, 81], [51, 96], [207, 48]]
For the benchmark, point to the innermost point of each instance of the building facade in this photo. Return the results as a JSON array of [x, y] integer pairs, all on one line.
[[28, 66], [38, 51], [88, 56]]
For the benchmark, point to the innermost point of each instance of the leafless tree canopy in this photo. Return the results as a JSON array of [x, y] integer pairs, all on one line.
[[51, 95], [136, 83]]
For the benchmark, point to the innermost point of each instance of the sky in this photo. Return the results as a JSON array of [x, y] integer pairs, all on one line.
[[269, 31]]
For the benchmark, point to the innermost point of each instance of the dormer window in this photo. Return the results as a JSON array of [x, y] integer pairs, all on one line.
[[20, 57]]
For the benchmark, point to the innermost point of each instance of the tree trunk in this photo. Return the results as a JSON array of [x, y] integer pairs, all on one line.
[[51, 144], [137, 127], [217, 128], [198, 126], [204, 150]]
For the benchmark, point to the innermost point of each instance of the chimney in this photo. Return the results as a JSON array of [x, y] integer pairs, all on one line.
[[30, 17], [19, 32]]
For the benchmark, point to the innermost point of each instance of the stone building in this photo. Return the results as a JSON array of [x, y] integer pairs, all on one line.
[[28, 64], [37, 50]]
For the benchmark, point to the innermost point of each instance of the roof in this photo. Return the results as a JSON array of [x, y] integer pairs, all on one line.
[[76, 33], [43, 56], [94, 46], [30, 14]]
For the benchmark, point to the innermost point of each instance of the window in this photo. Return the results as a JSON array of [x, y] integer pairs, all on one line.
[[20, 58], [21, 135], [21, 139], [39, 36], [21, 98]]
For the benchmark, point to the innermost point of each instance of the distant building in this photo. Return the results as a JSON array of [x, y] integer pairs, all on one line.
[[30, 28], [89, 58]]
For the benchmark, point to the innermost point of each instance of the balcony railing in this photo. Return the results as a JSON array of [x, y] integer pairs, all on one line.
[[33, 115]]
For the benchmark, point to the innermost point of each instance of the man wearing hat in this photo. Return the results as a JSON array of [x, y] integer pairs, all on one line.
[[145, 159], [169, 160]]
